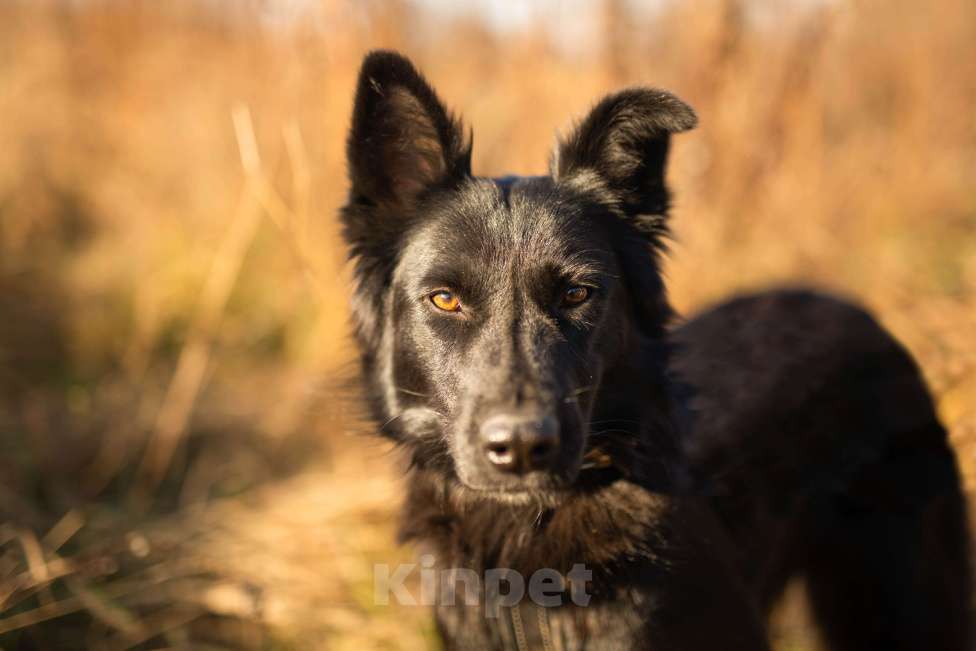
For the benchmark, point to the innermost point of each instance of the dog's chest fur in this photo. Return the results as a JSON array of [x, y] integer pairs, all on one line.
[[619, 532]]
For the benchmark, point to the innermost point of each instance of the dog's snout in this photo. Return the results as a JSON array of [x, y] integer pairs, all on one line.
[[520, 444]]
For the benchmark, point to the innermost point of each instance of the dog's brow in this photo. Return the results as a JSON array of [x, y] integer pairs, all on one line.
[[457, 276]]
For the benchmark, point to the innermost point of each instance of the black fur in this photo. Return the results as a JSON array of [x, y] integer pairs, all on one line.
[[697, 468], [818, 442]]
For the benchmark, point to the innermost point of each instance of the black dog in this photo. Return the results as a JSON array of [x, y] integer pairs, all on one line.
[[516, 340]]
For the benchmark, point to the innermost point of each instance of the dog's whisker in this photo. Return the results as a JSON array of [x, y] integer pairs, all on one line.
[[413, 393]]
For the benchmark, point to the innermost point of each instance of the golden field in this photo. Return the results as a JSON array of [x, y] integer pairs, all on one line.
[[181, 465]]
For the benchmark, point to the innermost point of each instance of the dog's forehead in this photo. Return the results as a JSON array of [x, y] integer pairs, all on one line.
[[492, 231], [510, 215]]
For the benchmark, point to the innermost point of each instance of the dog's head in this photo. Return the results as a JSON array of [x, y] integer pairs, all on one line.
[[503, 322]]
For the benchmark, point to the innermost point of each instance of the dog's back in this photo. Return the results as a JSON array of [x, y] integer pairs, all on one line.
[[817, 441]]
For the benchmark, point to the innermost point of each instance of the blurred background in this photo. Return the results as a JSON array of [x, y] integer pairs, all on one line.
[[180, 465]]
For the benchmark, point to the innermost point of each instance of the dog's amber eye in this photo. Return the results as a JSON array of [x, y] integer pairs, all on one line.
[[575, 295], [444, 300]]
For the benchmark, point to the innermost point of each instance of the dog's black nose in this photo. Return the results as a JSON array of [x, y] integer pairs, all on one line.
[[520, 444]]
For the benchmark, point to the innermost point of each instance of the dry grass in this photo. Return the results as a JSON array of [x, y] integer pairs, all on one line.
[[177, 464]]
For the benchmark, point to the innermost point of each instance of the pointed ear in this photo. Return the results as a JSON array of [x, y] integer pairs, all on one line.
[[621, 150], [403, 140]]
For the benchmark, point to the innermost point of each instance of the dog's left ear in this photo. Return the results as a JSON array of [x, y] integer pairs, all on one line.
[[620, 151], [619, 155]]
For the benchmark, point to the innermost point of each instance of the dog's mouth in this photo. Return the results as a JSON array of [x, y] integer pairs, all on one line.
[[534, 482], [596, 467]]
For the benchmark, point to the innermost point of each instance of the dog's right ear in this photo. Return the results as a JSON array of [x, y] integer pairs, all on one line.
[[403, 143], [403, 140]]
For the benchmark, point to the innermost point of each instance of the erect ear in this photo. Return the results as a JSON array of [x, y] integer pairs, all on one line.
[[621, 150], [403, 143], [619, 154], [403, 140]]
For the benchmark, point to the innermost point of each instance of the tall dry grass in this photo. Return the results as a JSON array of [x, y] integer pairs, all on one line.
[[177, 464]]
